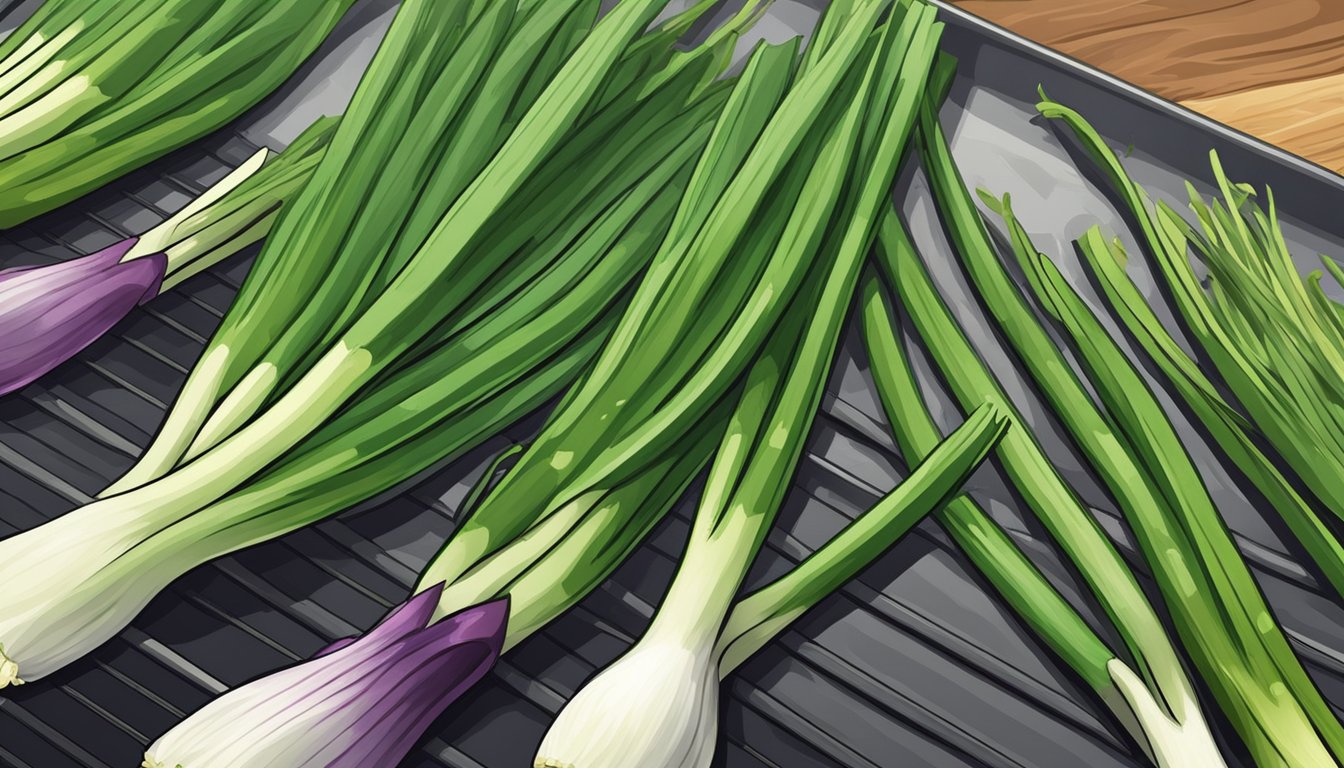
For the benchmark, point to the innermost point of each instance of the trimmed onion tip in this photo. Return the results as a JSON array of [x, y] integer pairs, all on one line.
[[9, 670]]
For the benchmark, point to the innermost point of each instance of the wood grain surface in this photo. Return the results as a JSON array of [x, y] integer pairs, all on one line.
[[1271, 68]]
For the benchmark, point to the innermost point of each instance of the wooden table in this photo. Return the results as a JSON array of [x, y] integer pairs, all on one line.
[[1271, 68]]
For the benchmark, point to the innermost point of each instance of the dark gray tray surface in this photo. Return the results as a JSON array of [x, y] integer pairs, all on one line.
[[913, 663]]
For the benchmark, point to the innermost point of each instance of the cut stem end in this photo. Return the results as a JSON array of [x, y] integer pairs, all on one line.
[[1167, 742], [9, 671]]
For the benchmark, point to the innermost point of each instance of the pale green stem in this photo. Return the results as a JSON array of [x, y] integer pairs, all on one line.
[[25, 70], [759, 617], [194, 255], [162, 454], [312, 400], [158, 239]]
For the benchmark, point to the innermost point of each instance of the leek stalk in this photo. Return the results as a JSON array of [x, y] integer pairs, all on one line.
[[1129, 401], [1041, 486]]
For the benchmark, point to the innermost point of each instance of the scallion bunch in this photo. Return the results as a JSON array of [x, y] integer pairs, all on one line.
[[658, 704], [91, 89], [1273, 338], [1150, 696], [740, 246], [1216, 606], [713, 317], [477, 294], [418, 133]]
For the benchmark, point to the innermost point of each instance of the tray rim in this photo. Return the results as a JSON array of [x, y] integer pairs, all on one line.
[[1093, 76]]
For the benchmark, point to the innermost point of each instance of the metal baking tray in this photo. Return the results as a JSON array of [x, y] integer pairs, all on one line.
[[914, 663]]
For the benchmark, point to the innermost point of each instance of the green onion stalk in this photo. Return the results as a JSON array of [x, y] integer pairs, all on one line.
[[90, 90], [739, 248], [1167, 737], [622, 445], [390, 149], [658, 703], [327, 262], [295, 715], [1112, 373], [1234, 434], [440, 408], [436, 379], [737, 253], [291, 714], [1217, 608], [239, 210], [1275, 341]]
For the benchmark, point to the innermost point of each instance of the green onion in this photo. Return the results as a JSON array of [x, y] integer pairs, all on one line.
[[711, 297], [475, 365], [215, 226], [90, 90], [1217, 608], [759, 617], [1229, 429], [1153, 698], [658, 703], [325, 264], [306, 247], [983, 541], [1275, 342], [1246, 624], [673, 670], [1280, 407], [595, 532], [622, 444]]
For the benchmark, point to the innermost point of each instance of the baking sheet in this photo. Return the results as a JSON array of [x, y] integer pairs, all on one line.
[[914, 663]]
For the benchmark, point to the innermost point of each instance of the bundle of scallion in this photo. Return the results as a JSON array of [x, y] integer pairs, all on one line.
[[1277, 343], [658, 704], [91, 89], [623, 444], [500, 296], [328, 261], [745, 239], [1151, 698], [1216, 606], [49, 313]]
